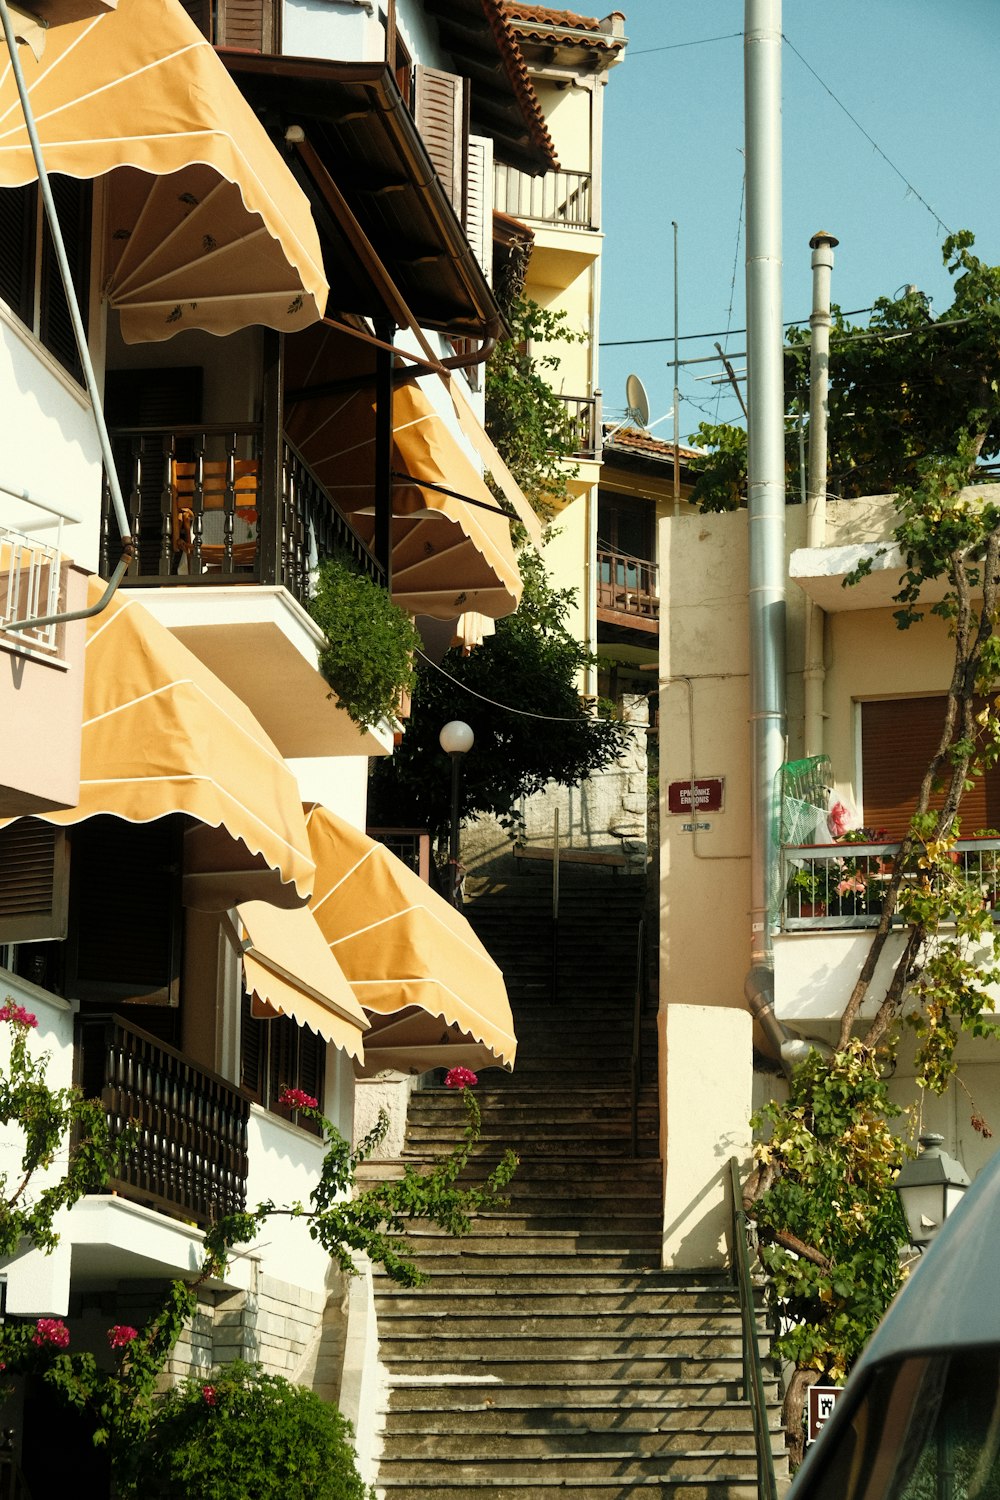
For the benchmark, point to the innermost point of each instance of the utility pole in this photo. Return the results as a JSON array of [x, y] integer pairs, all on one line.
[[822, 246]]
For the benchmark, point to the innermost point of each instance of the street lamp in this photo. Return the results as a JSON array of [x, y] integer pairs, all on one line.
[[456, 739], [929, 1188]]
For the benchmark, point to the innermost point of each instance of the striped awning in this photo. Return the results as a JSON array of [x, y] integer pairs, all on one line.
[[290, 971], [162, 734], [432, 993], [451, 545], [205, 226]]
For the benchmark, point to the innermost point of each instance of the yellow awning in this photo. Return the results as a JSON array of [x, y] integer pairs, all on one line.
[[290, 971], [432, 993], [451, 552], [205, 225], [162, 734]]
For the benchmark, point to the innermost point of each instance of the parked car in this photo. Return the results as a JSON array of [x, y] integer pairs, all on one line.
[[919, 1418]]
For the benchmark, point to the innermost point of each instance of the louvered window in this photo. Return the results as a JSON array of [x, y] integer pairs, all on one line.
[[440, 108], [479, 202], [34, 882], [898, 739], [252, 25], [28, 262], [280, 1054]]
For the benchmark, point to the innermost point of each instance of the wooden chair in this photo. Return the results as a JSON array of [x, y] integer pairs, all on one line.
[[215, 486]]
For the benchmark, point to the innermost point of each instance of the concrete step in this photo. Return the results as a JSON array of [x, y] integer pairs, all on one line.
[[547, 1343], [614, 1464], [569, 1397], [621, 1366], [578, 1442], [688, 1422], [452, 1297], [550, 1483], [443, 1317], [490, 1240]]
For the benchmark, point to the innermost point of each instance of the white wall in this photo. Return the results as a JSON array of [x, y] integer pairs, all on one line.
[[347, 30]]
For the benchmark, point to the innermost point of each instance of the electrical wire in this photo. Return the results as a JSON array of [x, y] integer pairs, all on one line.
[[732, 283], [676, 46], [523, 713], [716, 333]]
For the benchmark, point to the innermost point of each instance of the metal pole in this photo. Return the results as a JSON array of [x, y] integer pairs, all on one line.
[[456, 774], [677, 394], [766, 481], [822, 246]]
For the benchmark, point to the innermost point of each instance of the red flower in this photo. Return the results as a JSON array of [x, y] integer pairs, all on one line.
[[121, 1335], [17, 1014], [460, 1078], [51, 1331], [209, 1395], [297, 1099]]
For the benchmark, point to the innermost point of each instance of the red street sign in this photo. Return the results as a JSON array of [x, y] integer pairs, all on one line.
[[704, 795], [822, 1400]]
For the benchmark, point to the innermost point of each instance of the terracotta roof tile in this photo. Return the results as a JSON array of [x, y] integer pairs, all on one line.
[[637, 441], [545, 23], [506, 39]]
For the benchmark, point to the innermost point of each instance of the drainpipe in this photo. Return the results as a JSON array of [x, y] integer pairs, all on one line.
[[822, 246], [766, 486]]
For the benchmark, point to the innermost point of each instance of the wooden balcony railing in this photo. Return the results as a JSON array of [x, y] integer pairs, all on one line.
[[584, 415], [629, 587], [190, 1159], [206, 505], [555, 198]]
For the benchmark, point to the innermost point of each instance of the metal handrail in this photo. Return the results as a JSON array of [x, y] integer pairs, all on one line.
[[753, 1375], [636, 1067]]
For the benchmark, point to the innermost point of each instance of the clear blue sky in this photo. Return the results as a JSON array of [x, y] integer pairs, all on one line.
[[918, 75]]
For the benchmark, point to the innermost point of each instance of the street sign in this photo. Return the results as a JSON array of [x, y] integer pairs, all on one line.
[[822, 1400], [701, 796]]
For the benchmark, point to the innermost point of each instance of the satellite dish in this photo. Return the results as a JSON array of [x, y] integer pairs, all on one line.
[[636, 401]]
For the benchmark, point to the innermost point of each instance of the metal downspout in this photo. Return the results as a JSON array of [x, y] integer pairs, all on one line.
[[766, 485], [90, 380], [822, 246]]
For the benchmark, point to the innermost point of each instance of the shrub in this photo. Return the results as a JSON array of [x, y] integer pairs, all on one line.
[[367, 659]]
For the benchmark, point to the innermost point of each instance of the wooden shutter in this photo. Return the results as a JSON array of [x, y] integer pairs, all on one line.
[[253, 1051], [312, 1060], [73, 205], [479, 202], [126, 915], [249, 24], [34, 882], [898, 738], [200, 12], [440, 110], [282, 1062], [18, 224]]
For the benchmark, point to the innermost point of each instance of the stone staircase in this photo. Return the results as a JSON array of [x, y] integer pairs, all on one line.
[[548, 1352]]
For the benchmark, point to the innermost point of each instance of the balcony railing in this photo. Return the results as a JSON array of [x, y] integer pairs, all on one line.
[[584, 416], [30, 585], [555, 198], [843, 885], [627, 586], [190, 1159], [411, 845], [207, 506]]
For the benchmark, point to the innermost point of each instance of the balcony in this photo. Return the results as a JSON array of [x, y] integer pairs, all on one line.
[[208, 505], [191, 1158], [583, 414], [627, 591], [559, 198]]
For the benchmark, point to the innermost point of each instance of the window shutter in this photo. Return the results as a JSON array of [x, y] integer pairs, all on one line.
[[34, 882], [898, 738], [18, 219], [253, 1050], [282, 1063], [479, 202], [248, 24], [126, 912], [72, 199], [200, 12], [439, 107]]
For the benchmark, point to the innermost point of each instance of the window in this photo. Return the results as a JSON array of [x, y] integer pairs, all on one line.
[[30, 283], [279, 1054], [898, 738]]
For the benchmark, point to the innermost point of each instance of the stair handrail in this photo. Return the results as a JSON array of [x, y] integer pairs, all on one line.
[[753, 1375], [636, 1065]]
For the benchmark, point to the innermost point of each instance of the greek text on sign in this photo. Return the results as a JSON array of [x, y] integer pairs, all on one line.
[[822, 1400], [702, 796]]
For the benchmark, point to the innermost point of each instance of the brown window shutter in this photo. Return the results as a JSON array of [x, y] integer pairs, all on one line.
[[73, 206], [200, 12], [18, 222], [253, 1052], [249, 24], [34, 882], [898, 738], [439, 108]]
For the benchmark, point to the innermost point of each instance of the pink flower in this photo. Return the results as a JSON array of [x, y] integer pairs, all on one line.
[[51, 1331], [209, 1395], [17, 1014], [121, 1335], [460, 1078], [851, 885], [297, 1099]]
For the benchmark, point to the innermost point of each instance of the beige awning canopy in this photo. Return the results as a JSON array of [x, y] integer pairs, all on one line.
[[205, 226], [433, 995], [451, 545], [290, 971], [162, 734]]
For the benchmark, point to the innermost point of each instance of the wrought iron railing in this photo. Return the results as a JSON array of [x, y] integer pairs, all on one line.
[[411, 845], [555, 198], [843, 885], [753, 1368], [189, 1156], [584, 416], [627, 585], [206, 505]]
